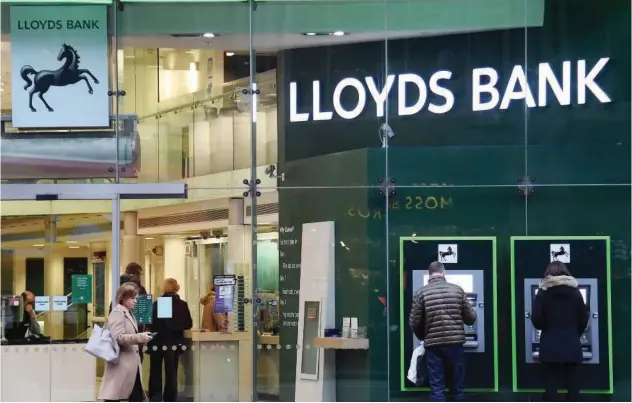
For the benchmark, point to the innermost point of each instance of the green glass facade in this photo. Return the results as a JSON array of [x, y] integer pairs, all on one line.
[[460, 119]]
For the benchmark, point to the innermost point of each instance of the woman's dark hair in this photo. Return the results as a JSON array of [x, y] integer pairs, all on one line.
[[556, 269]]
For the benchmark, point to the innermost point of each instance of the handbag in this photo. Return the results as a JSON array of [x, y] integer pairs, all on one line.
[[102, 345]]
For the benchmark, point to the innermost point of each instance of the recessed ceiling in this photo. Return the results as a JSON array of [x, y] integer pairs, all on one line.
[[272, 42]]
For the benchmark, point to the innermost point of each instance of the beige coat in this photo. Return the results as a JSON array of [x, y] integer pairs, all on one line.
[[211, 321], [118, 379]]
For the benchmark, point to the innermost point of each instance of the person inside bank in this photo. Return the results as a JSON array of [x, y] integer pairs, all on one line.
[[211, 321], [168, 343], [21, 322], [560, 312], [123, 380]]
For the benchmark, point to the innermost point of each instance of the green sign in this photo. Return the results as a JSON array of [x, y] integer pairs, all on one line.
[[81, 288], [144, 309]]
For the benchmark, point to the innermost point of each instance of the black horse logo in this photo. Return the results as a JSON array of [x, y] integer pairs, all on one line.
[[561, 252], [448, 252], [69, 73]]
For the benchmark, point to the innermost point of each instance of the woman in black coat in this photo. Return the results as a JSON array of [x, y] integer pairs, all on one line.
[[560, 312], [167, 345]]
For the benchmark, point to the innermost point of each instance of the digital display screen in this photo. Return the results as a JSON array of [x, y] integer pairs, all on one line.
[[165, 308], [465, 281], [584, 292]]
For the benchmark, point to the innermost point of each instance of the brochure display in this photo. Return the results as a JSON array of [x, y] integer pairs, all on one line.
[[316, 367], [470, 262], [588, 260]]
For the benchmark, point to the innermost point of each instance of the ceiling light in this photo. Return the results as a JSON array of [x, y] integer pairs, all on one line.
[[229, 54], [39, 245], [71, 241], [310, 33], [149, 238], [209, 35], [339, 33], [74, 247]]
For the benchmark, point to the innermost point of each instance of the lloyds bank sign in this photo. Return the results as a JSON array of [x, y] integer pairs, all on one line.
[[487, 93]]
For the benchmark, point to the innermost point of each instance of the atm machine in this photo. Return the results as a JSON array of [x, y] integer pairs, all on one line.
[[472, 283], [590, 338], [588, 258]]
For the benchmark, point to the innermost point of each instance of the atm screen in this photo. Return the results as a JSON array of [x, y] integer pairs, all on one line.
[[465, 281], [584, 292]]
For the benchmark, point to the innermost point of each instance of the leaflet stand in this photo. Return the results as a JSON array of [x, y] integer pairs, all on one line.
[[315, 367]]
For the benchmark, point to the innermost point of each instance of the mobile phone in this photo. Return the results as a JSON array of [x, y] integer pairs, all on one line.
[[153, 334]]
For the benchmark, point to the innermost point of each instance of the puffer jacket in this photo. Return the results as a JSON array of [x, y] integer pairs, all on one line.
[[440, 309]]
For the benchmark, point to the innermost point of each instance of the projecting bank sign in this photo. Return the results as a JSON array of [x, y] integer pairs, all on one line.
[[59, 66], [487, 92]]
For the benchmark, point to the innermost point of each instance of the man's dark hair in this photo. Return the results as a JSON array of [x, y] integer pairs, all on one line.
[[129, 278], [556, 269], [436, 268], [134, 269]]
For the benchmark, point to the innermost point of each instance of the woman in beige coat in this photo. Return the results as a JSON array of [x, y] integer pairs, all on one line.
[[122, 381]]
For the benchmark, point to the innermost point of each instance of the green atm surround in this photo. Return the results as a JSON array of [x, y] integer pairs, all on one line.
[[493, 326], [515, 337]]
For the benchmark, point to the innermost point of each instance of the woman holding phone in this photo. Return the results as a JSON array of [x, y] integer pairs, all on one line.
[[123, 380]]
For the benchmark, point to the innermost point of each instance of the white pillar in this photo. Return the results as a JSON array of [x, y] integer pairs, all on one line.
[[54, 286], [239, 236], [175, 252], [132, 245]]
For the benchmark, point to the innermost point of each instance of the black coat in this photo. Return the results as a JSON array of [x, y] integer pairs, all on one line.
[[171, 330], [560, 313]]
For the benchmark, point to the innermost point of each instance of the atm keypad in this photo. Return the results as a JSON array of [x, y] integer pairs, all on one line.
[[538, 334]]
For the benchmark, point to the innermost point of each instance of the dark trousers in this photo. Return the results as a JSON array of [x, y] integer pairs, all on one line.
[[137, 391], [170, 359], [557, 376], [446, 359]]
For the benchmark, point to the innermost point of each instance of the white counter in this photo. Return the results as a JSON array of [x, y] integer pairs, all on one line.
[[50, 372], [222, 364]]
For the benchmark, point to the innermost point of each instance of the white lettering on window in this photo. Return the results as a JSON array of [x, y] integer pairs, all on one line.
[[517, 78], [357, 110], [404, 79]]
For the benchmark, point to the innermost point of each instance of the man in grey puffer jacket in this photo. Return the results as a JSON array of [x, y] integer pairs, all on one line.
[[439, 311]]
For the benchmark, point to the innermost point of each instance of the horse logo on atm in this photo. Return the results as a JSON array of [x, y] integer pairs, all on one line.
[[448, 253], [560, 252]]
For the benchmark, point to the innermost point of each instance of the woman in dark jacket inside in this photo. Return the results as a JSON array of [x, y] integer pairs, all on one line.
[[168, 344], [560, 312]]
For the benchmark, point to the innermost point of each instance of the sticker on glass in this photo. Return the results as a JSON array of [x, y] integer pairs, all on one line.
[[561, 252], [447, 253]]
